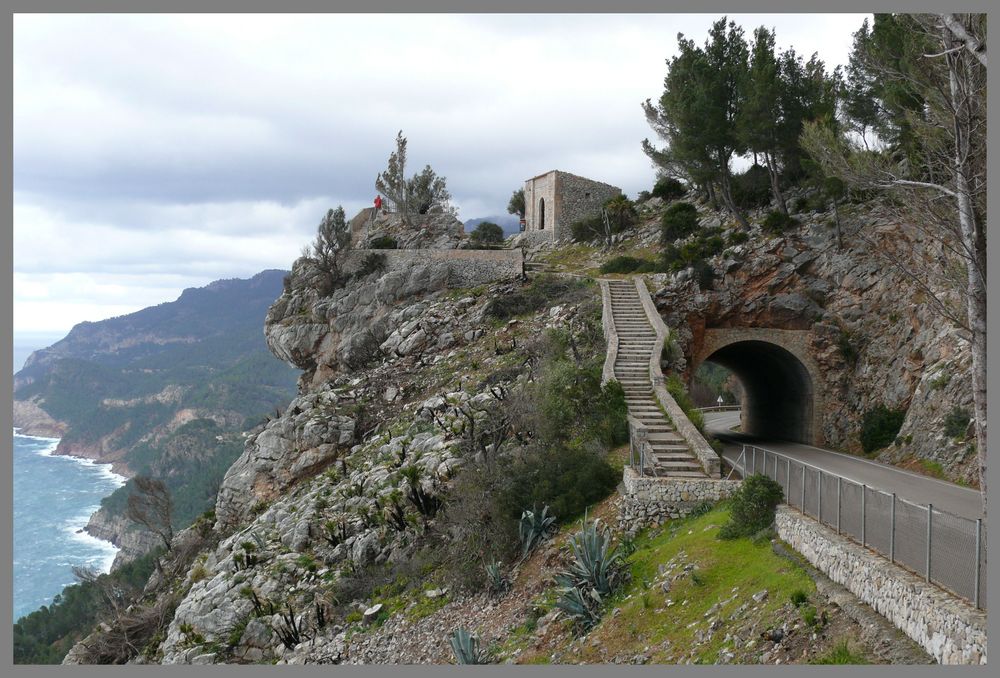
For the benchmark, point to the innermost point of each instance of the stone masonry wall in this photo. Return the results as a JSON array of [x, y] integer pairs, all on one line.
[[648, 501], [577, 198], [540, 188], [952, 631], [466, 268]]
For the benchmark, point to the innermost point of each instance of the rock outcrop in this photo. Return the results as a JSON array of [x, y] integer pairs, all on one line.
[[876, 338], [436, 230]]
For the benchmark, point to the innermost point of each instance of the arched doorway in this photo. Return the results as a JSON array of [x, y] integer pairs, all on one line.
[[541, 214]]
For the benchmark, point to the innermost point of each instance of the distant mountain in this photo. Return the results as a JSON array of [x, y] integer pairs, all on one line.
[[165, 391], [510, 223]]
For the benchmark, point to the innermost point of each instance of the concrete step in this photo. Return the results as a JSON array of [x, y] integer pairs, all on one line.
[[666, 437]]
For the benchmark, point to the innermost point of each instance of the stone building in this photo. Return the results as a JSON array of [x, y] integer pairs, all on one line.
[[554, 200]]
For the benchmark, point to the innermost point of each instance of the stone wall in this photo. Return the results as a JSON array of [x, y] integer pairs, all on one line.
[[466, 268], [952, 631], [578, 198], [535, 190], [650, 501]]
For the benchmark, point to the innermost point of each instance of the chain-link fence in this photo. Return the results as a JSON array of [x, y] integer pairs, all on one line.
[[941, 547]]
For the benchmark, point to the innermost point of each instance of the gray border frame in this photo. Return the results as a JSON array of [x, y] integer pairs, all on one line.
[[442, 6]]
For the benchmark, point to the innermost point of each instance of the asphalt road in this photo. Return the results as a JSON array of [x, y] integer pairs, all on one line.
[[907, 485]]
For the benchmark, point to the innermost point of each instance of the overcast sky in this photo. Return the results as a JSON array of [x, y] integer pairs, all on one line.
[[155, 153]]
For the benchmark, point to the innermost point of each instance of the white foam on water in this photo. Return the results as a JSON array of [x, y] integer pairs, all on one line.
[[103, 469], [106, 550]]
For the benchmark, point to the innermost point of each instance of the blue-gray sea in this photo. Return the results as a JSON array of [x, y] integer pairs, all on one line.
[[54, 497]]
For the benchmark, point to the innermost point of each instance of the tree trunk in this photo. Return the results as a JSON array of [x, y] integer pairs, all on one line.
[[712, 197], [772, 169], [727, 198], [974, 242]]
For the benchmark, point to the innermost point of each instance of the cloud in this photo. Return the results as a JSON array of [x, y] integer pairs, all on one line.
[[206, 146]]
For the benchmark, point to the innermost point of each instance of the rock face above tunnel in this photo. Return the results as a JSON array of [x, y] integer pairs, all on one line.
[[869, 332]]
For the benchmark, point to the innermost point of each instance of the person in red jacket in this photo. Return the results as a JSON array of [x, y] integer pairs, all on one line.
[[378, 204]]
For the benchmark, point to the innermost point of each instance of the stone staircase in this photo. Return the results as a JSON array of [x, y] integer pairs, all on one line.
[[636, 343]]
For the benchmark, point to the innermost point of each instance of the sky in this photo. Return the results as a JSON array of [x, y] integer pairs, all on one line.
[[158, 152]]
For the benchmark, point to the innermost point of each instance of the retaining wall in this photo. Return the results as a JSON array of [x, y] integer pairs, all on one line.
[[648, 501], [952, 631]]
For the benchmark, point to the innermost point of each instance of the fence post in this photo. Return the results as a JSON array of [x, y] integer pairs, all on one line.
[[979, 564], [864, 514], [754, 461], [838, 504], [788, 476], [930, 512], [819, 496], [892, 529], [802, 506], [764, 465]]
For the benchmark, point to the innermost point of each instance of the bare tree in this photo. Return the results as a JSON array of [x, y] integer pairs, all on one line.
[[945, 197], [150, 505]]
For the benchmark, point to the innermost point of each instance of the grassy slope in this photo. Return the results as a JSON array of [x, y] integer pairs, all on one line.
[[674, 627]]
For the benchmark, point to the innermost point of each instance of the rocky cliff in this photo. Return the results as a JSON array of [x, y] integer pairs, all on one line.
[[876, 335]]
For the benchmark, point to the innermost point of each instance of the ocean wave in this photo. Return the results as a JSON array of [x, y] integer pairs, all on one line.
[[103, 469], [106, 550]]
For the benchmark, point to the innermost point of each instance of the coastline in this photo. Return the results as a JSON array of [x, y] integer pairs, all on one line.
[[77, 527]]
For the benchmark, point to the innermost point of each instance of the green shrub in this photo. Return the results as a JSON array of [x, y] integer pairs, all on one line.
[[752, 188], [487, 234], [383, 242], [374, 262], [569, 480], [879, 427], [701, 509], [752, 507], [623, 264], [621, 213], [588, 229], [679, 221], [669, 188], [737, 238], [799, 597], [680, 395], [840, 654], [777, 222], [543, 291], [847, 346], [956, 423], [704, 274]]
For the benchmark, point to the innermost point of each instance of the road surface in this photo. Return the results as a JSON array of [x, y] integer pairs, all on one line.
[[913, 487]]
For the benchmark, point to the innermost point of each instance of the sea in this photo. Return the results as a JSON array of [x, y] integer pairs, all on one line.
[[54, 497]]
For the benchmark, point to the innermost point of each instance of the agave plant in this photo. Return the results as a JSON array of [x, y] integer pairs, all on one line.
[[595, 564], [580, 604], [466, 647], [593, 574], [532, 528], [496, 579]]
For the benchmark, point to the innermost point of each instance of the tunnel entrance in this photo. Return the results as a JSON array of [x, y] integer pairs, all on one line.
[[778, 392]]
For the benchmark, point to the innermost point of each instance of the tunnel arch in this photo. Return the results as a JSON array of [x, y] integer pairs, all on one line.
[[781, 394]]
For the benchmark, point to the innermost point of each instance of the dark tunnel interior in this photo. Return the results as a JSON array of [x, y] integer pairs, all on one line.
[[777, 390]]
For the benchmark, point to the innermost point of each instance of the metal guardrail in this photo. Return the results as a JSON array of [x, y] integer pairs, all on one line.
[[946, 549], [720, 408], [638, 444]]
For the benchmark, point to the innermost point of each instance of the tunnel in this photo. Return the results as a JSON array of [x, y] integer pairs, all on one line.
[[778, 396]]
